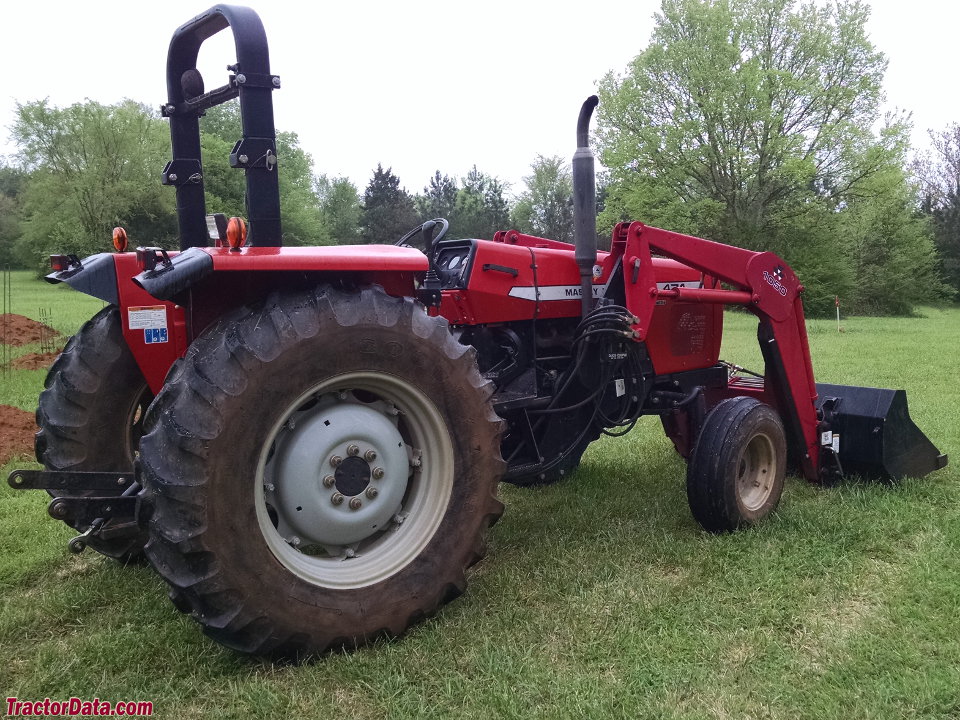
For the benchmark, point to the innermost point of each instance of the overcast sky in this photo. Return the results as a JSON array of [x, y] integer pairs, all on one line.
[[416, 85]]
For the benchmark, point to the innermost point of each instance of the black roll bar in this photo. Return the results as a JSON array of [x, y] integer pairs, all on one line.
[[255, 152]]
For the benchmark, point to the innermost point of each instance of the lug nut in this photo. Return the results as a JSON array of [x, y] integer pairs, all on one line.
[[355, 503], [370, 455], [295, 541], [335, 460], [377, 473], [336, 499], [353, 450], [328, 481], [372, 492]]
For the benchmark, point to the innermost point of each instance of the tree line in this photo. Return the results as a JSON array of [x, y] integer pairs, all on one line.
[[756, 123]]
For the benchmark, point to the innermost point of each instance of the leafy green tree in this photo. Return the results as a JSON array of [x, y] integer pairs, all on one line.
[[480, 208], [388, 209], [753, 105], [12, 182], [340, 206], [438, 198], [300, 211], [545, 207], [939, 175], [751, 123], [92, 167]]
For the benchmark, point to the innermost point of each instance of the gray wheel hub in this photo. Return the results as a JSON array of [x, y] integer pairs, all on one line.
[[338, 472], [334, 540]]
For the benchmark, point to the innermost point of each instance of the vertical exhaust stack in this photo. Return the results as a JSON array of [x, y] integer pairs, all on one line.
[[585, 205]]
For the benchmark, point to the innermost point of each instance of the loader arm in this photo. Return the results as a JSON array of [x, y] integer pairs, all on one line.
[[761, 282]]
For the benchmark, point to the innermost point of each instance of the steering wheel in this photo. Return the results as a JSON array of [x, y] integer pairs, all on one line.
[[427, 228]]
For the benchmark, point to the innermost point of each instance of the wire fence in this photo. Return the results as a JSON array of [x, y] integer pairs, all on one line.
[[6, 288]]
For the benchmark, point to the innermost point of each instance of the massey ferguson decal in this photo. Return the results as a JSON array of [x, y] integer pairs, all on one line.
[[553, 292]]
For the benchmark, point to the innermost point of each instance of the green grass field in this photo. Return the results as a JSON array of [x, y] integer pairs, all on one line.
[[600, 598]]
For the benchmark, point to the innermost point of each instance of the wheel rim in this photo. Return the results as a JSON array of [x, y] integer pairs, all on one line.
[[354, 480], [134, 423], [756, 472]]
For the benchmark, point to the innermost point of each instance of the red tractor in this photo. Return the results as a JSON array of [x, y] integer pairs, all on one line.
[[306, 443]]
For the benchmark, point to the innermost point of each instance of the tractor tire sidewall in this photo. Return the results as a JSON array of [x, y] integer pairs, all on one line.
[[712, 471], [90, 396], [207, 541]]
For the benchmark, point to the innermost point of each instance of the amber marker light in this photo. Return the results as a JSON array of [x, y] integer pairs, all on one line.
[[120, 239], [236, 233]]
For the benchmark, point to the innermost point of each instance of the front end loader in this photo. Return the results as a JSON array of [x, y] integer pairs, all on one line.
[[306, 443]]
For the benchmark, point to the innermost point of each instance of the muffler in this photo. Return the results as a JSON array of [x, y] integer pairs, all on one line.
[[870, 431]]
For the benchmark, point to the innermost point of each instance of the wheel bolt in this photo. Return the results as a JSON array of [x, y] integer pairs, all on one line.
[[370, 456], [377, 473], [353, 450], [336, 499], [335, 460], [295, 541], [372, 492], [328, 481], [355, 503]]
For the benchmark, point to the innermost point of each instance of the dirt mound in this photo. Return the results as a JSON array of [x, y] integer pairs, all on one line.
[[17, 428], [34, 361], [19, 330]]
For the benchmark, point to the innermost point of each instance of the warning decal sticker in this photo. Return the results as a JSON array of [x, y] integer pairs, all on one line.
[[152, 319]]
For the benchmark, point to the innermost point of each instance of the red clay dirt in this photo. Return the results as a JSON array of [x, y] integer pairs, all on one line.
[[18, 330], [17, 428], [34, 361]]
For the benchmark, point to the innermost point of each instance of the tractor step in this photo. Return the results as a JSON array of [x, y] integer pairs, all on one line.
[[871, 433]]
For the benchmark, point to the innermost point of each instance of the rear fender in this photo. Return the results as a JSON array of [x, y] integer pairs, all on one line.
[[394, 268], [154, 330]]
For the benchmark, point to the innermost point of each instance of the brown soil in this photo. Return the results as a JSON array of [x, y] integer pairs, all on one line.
[[18, 330], [17, 428], [34, 361]]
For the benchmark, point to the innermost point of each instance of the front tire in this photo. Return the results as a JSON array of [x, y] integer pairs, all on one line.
[[736, 472], [321, 471]]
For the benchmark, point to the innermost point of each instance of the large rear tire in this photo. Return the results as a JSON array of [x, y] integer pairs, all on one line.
[[91, 414], [736, 471], [321, 472]]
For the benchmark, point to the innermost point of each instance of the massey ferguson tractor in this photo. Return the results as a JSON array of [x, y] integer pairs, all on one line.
[[306, 442]]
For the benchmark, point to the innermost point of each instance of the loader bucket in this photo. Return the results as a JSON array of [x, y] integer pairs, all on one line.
[[878, 440]]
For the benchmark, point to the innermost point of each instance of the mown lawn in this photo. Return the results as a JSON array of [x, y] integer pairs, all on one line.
[[601, 598]]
